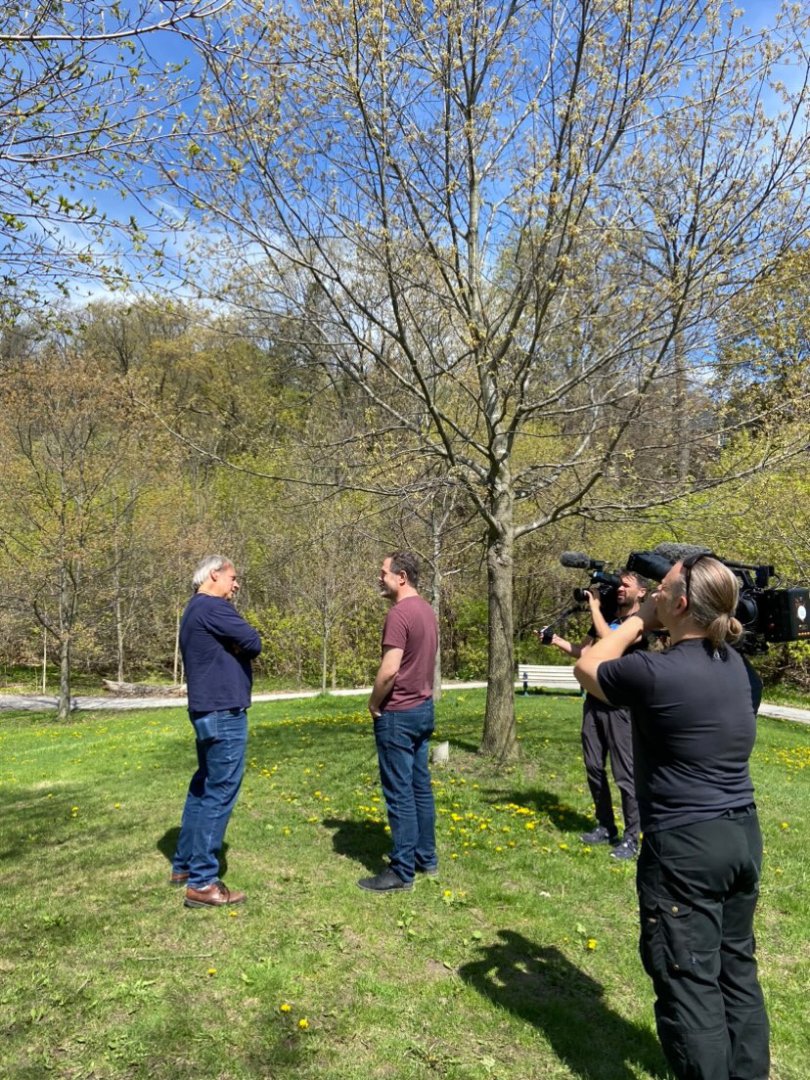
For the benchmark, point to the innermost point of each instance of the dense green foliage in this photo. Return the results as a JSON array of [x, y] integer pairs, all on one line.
[[104, 512]]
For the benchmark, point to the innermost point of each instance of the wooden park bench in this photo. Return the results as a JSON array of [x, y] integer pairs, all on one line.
[[546, 676]]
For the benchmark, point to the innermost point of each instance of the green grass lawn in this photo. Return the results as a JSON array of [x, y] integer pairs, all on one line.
[[518, 962]]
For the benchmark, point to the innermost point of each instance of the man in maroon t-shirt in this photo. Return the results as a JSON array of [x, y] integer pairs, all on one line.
[[401, 705]]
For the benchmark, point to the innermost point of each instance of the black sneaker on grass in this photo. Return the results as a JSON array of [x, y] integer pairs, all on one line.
[[627, 849], [600, 835], [386, 881]]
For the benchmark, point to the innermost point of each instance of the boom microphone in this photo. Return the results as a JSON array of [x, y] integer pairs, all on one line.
[[678, 552], [656, 564], [577, 561]]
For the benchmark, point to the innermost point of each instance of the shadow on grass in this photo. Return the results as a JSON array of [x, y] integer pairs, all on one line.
[[565, 818], [365, 842], [467, 747], [168, 842], [34, 821], [541, 986]]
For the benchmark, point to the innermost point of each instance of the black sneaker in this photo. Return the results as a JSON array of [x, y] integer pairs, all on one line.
[[627, 849], [600, 835], [386, 881]]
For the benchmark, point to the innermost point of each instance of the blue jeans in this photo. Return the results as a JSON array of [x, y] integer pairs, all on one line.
[[402, 750], [221, 744]]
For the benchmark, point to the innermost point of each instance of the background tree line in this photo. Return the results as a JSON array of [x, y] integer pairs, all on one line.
[[476, 279], [113, 428]]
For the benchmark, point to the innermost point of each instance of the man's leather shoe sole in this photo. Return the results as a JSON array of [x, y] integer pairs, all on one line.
[[214, 895]]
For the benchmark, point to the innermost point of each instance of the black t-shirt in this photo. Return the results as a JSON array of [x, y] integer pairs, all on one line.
[[642, 644], [694, 725]]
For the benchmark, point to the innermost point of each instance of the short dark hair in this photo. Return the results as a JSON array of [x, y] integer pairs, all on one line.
[[641, 582], [405, 562]]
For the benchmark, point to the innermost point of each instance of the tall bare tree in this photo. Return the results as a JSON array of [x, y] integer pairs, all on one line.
[[85, 89], [519, 221]]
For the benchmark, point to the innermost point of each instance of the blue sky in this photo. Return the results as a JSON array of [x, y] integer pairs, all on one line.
[[166, 48]]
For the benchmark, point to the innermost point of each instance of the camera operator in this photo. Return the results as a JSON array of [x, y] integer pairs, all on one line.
[[694, 723], [606, 729]]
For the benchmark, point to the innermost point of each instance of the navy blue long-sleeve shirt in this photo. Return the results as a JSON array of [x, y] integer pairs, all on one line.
[[217, 646]]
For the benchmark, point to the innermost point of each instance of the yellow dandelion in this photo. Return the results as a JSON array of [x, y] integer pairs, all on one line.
[[303, 1023], [285, 1007], [212, 971], [591, 943]]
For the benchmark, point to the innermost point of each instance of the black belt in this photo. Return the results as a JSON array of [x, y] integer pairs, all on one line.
[[740, 811]]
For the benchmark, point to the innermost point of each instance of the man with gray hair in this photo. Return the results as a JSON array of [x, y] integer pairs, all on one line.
[[218, 646]]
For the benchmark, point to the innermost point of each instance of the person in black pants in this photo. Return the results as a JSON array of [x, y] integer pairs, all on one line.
[[606, 731], [693, 711]]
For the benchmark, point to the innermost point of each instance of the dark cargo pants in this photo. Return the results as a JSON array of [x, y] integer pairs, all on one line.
[[698, 888], [606, 731]]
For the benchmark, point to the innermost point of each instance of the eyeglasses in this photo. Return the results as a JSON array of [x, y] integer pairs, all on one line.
[[687, 565]]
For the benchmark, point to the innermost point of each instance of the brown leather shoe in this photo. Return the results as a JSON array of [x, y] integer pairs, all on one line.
[[214, 895], [178, 877]]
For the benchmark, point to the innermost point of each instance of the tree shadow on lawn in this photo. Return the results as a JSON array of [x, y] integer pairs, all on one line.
[[562, 817], [365, 842], [35, 821], [541, 986], [460, 744]]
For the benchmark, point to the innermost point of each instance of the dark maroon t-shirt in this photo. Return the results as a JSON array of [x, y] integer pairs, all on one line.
[[410, 625]]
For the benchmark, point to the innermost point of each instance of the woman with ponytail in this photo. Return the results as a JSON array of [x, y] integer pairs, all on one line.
[[693, 710]]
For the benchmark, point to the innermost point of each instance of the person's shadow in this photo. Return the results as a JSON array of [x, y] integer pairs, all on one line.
[[540, 985], [563, 817], [365, 842], [168, 842]]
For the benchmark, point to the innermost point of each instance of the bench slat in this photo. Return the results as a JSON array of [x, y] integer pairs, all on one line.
[[547, 675]]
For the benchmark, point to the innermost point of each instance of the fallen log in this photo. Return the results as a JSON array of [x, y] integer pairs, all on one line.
[[127, 689]]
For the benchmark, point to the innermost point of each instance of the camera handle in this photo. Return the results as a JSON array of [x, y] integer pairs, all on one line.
[[559, 619]]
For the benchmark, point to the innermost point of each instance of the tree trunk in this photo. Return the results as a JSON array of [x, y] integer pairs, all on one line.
[[177, 667], [681, 410], [499, 739], [119, 615], [63, 705], [67, 611], [324, 650], [436, 604]]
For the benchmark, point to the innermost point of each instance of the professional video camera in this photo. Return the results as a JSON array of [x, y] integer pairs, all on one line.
[[768, 615], [601, 582]]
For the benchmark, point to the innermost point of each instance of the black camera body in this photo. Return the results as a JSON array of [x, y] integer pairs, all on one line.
[[768, 615], [605, 586]]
